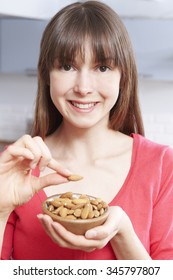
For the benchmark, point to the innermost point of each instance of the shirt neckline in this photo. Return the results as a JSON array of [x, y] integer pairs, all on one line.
[[42, 195]]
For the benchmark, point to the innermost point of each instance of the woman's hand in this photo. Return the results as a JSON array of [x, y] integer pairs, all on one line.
[[17, 184], [95, 238]]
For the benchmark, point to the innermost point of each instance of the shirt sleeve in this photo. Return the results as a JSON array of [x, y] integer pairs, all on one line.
[[161, 247], [8, 235], [7, 245]]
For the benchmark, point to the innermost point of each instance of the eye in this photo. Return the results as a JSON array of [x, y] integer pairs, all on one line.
[[66, 67], [103, 68]]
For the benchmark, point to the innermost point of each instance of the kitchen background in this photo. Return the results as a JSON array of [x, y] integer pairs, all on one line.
[[150, 26]]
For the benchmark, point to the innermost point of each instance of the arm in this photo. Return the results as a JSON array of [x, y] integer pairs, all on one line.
[[161, 233], [17, 184], [161, 227], [126, 245]]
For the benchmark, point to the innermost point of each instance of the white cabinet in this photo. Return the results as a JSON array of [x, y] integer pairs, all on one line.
[[19, 44], [38, 9]]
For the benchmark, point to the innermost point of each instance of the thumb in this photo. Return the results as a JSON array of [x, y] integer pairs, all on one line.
[[48, 180], [98, 233]]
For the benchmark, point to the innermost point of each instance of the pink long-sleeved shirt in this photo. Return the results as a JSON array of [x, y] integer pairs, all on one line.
[[146, 196]]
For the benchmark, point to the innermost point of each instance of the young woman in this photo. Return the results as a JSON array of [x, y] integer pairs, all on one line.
[[87, 120]]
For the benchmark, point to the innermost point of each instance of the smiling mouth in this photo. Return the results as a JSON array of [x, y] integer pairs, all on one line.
[[83, 105]]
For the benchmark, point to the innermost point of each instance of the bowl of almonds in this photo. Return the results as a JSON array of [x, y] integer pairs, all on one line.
[[76, 212]]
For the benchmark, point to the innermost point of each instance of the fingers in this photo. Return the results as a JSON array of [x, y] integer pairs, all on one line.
[[57, 232], [66, 239], [53, 164], [79, 242], [13, 152], [25, 147], [48, 180], [40, 152], [47, 222], [35, 150]]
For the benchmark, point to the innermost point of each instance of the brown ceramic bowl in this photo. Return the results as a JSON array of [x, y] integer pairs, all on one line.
[[78, 225]]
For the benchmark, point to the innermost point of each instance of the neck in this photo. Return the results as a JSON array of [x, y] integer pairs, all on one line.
[[84, 134], [76, 142]]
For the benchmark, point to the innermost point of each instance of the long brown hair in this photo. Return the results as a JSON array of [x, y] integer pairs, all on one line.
[[63, 38]]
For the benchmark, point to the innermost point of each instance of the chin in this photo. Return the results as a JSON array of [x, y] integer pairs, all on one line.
[[87, 123], [86, 126], [83, 125]]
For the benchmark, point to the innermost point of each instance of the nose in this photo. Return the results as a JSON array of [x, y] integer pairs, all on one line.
[[84, 83]]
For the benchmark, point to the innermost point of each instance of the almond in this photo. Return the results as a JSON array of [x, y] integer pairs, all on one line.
[[63, 212], [85, 211], [66, 195], [70, 206], [79, 200], [74, 177]]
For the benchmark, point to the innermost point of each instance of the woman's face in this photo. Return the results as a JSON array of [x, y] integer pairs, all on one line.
[[84, 91]]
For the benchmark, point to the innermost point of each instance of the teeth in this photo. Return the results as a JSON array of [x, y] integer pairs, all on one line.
[[83, 106]]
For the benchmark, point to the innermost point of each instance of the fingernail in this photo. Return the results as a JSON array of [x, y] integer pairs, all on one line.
[[39, 216], [68, 172], [91, 234]]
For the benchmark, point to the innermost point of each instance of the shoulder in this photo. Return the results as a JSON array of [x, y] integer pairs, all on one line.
[[155, 164], [148, 147], [155, 160]]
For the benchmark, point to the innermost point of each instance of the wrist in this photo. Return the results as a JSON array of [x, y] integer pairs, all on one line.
[[125, 227]]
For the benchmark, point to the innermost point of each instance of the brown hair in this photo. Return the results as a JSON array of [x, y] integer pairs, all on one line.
[[63, 38]]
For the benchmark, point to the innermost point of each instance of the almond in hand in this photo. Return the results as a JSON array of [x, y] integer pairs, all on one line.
[[74, 177]]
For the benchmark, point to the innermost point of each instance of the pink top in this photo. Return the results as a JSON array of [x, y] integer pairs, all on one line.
[[146, 196]]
